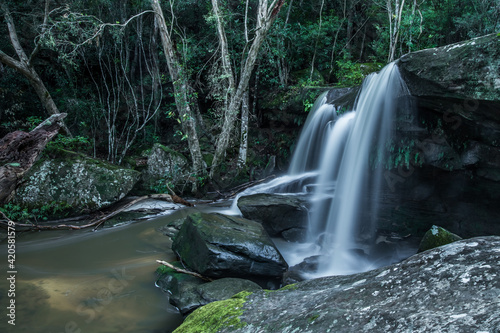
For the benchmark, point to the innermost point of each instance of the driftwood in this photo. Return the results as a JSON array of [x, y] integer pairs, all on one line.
[[240, 188], [184, 271], [20, 150], [4, 221]]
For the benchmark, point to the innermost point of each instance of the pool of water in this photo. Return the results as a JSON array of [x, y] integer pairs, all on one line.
[[96, 282]]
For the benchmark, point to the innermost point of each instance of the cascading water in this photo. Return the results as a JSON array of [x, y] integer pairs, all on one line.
[[346, 191], [335, 160]]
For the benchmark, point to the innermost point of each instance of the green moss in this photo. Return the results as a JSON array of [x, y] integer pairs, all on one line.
[[292, 286], [214, 316], [436, 237], [313, 318]]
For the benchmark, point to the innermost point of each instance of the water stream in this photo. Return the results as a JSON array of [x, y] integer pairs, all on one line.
[[95, 282]]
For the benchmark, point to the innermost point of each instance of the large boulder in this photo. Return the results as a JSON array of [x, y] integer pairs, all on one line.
[[453, 288], [217, 245], [465, 70], [283, 216], [162, 165], [75, 181]]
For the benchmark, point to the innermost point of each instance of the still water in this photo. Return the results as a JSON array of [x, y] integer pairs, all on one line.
[[96, 282]]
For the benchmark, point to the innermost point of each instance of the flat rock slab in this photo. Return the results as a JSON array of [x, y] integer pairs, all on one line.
[[453, 288]]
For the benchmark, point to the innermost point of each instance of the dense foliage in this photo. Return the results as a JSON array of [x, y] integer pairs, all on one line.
[[103, 63]]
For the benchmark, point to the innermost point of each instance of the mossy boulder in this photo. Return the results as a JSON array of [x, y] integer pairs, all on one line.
[[435, 237], [163, 165], [453, 288], [75, 181], [217, 245], [464, 70], [216, 316]]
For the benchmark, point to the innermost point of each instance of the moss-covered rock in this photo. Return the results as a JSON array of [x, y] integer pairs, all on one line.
[[75, 181], [215, 316], [163, 165], [188, 292], [435, 237]]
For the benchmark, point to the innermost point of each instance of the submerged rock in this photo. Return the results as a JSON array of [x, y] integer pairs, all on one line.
[[74, 181], [281, 215], [453, 288], [435, 237], [217, 245]]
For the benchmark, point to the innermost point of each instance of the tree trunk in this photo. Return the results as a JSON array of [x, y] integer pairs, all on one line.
[[181, 90], [24, 66], [242, 158], [266, 13], [19, 150]]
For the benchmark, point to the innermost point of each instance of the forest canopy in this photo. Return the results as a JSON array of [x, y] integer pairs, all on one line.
[[132, 73]]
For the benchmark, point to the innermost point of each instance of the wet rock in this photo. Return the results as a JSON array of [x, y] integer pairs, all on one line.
[[453, 288], [217, 245], [75, 182], [435, 237], [281, 215], [188, 292]]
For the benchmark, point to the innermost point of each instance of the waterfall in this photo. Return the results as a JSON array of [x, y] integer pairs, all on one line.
[[335, 162], [346, 190]]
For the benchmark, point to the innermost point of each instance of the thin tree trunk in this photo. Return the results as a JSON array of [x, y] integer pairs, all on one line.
[[242, 158], [181, 90], [24, 65], [266, 13], [317, 40]]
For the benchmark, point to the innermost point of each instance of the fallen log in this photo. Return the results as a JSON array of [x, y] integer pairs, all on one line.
[[20, 150], [5, 222]]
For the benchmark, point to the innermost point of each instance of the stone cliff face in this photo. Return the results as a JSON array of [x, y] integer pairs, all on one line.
[[450, 144]]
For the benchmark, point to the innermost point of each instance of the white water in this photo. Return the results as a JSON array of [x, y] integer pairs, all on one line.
[[333, 155]]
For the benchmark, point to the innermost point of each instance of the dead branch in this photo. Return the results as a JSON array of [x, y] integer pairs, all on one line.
[[4, 222], [20, 150], [183, 271]]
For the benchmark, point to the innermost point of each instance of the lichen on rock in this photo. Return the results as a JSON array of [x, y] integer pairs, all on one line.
[[83, 183]]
